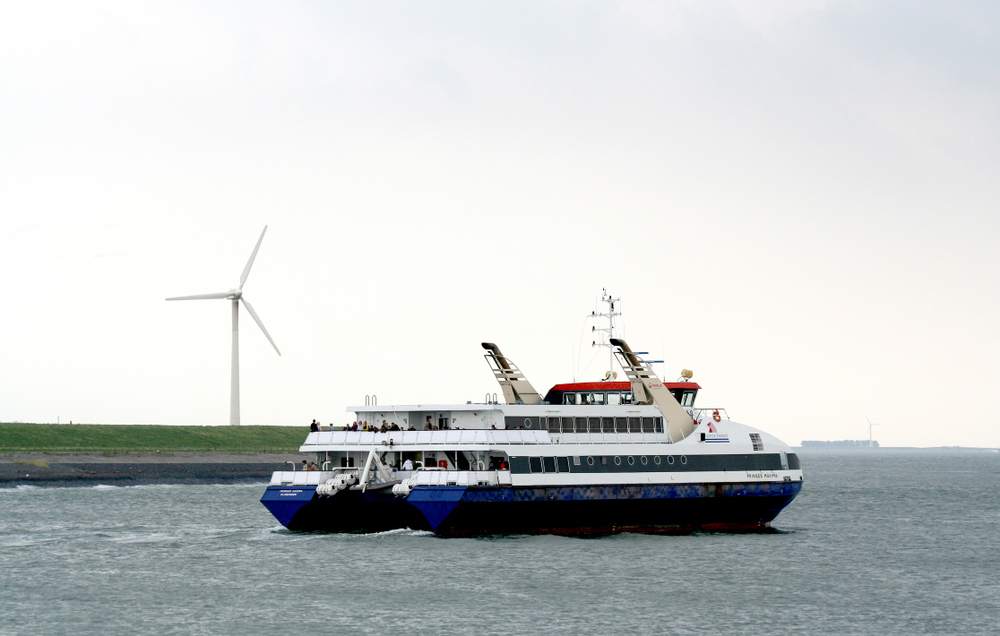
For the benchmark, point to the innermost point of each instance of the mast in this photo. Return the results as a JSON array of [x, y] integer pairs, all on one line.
[[610, 301]]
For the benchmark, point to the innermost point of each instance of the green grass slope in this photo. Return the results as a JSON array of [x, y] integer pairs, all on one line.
[[66, 438]]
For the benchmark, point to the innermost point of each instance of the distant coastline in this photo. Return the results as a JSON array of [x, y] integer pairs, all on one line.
[[847, 443], [90, 454], [135, 438], [832, 447], [133, 469]]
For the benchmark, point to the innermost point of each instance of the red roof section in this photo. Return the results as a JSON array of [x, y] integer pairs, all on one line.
[[616, 386]]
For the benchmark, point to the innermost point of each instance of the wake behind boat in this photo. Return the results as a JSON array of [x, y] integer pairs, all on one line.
[[587, 458]]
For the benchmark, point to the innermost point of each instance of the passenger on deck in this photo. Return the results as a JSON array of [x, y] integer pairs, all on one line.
[[305, 465], [354, 426], [493, 427], [407, 465], [385, 428], [313, 466], [314, 426], [411, 428], [428, 427], [393, 427]]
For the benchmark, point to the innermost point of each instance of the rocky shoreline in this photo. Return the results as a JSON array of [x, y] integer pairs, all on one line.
[[128, 469]]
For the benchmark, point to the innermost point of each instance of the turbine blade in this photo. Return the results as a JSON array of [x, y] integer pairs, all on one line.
[[256, 318], [203, 296], [246, 270]]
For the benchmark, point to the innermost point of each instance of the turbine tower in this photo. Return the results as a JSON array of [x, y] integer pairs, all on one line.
[[236, 296], [870, 425]]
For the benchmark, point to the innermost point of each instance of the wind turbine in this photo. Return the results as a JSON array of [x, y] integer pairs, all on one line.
[[870, 425], [236, 296]]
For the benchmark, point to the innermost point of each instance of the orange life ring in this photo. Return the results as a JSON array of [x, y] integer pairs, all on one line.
[[716, 416]]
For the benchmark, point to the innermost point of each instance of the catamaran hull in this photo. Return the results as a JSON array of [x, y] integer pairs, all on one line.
[[300, 508], [454, 511]]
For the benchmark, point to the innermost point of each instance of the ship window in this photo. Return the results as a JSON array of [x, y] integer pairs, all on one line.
[[549, 463], [634, 425], [595, 424], [658, 424], [590, 461], [553, 424], [576, 460], [567, 424], [631, 460], [684, 459], [656, 460], [527, 422], [614, 397], [563, 464], [647, 425], [621, 424], [581, 424], [618, 461], [643, 460], [569, 398], [608, 424], [597, 398], [688, 399], [627, 398], [670, 459], [758, 444], [535, 464]]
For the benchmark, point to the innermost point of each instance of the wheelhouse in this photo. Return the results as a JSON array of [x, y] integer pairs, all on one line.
[[601, 393]]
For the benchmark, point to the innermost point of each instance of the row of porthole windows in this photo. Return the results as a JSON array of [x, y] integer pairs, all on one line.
[[561, 464], [642, 460]]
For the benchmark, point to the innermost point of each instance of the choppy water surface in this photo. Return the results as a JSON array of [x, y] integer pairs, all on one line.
[[875, 544]]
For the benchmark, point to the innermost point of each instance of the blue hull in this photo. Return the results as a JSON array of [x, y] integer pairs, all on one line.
[[459, 511]]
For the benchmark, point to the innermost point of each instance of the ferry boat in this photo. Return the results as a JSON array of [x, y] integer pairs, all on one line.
[[587, 458]]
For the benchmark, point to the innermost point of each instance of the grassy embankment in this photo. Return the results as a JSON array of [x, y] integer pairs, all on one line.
[[99, 438]]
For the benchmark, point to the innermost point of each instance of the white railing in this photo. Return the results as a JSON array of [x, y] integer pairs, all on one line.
[[462, 477], [480, 437], [300, 477], [424, 477], [705, 414]]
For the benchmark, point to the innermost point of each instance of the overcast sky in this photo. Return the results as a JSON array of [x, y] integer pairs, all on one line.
[[797, 200]]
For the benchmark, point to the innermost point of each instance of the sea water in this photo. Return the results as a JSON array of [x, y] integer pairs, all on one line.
[[876, 543]]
